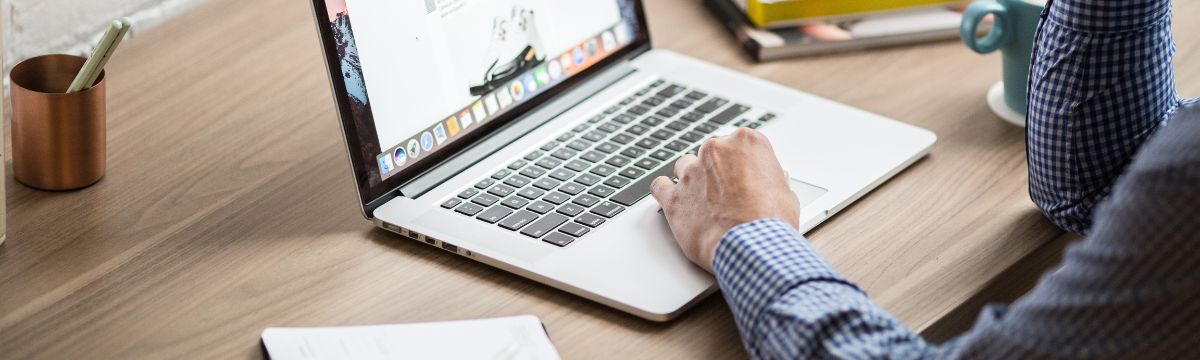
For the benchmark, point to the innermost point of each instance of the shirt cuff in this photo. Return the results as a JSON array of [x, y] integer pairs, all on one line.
[[1108, 15], [758, 262]]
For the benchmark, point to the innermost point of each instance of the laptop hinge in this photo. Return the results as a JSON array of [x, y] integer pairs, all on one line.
[[519, 127]]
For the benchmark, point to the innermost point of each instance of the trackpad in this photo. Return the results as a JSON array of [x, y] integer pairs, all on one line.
[[808, 193]]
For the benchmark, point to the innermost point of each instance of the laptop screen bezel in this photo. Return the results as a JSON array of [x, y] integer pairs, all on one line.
[[359, 157]]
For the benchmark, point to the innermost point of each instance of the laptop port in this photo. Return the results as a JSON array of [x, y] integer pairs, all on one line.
[[431, 241], [449, 247]]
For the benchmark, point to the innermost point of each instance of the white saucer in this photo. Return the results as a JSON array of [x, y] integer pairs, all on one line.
[[995, 100]]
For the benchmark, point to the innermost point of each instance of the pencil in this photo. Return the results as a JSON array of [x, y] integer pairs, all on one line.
[[97, 54], [126, 24]]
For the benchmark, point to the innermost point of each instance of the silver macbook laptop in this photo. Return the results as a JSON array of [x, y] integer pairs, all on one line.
[[524, 134]]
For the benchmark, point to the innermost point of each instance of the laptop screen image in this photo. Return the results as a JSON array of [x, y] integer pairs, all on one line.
[[422, 76]]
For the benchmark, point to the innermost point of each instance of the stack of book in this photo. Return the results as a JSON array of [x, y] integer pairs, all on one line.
[[773, 29]]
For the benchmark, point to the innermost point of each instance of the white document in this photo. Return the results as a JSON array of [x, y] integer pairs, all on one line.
[[509, 338]]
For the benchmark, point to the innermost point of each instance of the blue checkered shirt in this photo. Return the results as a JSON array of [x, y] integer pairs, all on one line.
[[1101, 86]]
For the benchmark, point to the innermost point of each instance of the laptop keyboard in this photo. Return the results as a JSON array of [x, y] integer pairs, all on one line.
[[588, 175]]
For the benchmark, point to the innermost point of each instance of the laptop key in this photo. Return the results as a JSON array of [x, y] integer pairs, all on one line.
[[662, 155], [518, 220], [548, 163], [573, 229], [562, 174], [602, 191], [632, 173], [584, 200], [676, 145], [531, 193], [544, 225], [623, 138], [648, 164], [692, 117], [640, 188], [503, 173], [678, 125], [667, 112], [546, 184], [581, 128], [515, 202], [494, 214], [468, 209], [594, 136], [647, 143], [587, 179], [558, 239], [565, 137], [652, 121], [706, 128], [571, 210], [729, 114], [681, 104], [590, 220], [637, 129], [618, 161], [533, 172], [603, 170], [633, 152], [577, 165], [549, 146], [501, 190], [517, 164], [517, 181], [639, 110], [609, 127], [533, 156], [540, 207], [468, 193], [612, 109], [617, 182], [696, 95], [607, 209], [451, 203], [691, 137], [624, 118], [607, 148], [596, 119], [556, 198], [485, 200], [712, 105], [484, 184], [663, 134], [654, 101], [563, 154], [579, 145], [592, 156], [571, 188], [671, 91]]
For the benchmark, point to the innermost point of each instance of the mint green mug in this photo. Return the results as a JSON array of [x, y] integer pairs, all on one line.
[[1012, 33]]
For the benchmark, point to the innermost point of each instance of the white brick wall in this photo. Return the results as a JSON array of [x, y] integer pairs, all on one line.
[[37, 27]]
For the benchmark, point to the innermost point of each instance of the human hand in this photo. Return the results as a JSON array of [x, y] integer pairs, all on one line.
[[735, 179]]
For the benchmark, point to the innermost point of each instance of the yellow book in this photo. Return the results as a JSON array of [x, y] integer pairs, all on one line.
[[772, 13]]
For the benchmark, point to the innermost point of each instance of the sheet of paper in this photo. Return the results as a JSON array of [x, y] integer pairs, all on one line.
[[509, 338]]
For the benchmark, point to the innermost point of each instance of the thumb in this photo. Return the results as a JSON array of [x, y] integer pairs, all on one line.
[[661, 188]]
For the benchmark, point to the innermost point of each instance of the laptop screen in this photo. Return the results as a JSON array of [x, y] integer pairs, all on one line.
[[420, 76]]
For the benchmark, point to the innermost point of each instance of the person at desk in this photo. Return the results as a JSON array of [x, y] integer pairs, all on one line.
[[1101, 85]]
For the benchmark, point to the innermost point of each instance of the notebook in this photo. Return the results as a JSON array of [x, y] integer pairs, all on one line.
[[509, 338]]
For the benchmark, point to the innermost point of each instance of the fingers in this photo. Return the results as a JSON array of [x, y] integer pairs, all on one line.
[[661, 189], [683, 164]]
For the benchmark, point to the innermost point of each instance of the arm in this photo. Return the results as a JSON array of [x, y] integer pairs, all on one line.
[[1129, 291], [1101, 82]]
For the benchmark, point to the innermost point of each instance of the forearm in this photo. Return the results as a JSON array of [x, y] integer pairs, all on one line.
[[789, 302], [1101, 82]]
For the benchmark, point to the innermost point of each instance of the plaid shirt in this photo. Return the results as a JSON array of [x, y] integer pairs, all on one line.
[[1101, 85]]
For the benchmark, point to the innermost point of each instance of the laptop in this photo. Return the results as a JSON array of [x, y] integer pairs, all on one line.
[[524, 134]]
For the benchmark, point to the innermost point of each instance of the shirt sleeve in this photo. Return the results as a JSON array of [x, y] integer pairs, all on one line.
[[1101, 82]]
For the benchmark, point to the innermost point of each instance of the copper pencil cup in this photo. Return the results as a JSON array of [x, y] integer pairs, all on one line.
[[58, 139]]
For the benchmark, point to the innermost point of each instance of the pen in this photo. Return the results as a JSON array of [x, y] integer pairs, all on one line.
[[126, 25]]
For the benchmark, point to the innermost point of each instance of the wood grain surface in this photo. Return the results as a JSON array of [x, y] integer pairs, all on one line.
[[229, 207]]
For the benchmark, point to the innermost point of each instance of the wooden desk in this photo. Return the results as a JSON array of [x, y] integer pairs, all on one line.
[[228, 205]]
